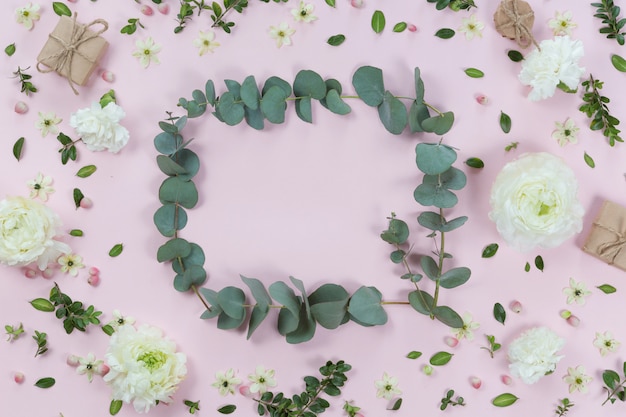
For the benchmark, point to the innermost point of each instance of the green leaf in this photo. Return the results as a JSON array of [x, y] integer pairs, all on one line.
[[539, 262], [10, 49], [515, 56], [169, 218], [440, 358], [504, 400], [430, 267], [396, 405], [45, 382], [414, 354], [331, 3], [419, 86], [42, 304], [397, 233], [527, 267], [499, 313], [232, 299], [439, 124], [336, 104], [285, 296], [618, 62], [392, 114], [116, 250], [304, 110], [76, 232], [505, 122], [115, 407], [434, 158], [61, 9], [445, 33], [475, 163], [607, 289], [455, 277], [273, 104], [329, 305], [227, 409], [309, 84], [336, 40], [365, 305], [490, 250], [86, 171], [250, 93], [589, 161], [178, 191], [400, 27], [378, 21], [17, 148], [368, 83], [173, 248], [78, 197], [474, 73], [421, 301], [397, 256], [448, 317], [305, 330], [230, 111], [610, 378], [263, 301]]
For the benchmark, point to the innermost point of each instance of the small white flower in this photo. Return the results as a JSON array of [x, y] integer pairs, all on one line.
[[562, 23], [146, 51], [577, 379], [471, 27], [534, 354], [40, 187], [261, 380], [606, 343], [565, 133], [304, 12], [205, 42], [47, 123], [120, 320], [387, 387], [71, 263], [27, 15], [88, 365], [282, 34], [226, 382], [576, 292], [467, 330]]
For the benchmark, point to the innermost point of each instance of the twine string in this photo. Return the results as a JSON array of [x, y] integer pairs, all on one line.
[[523, 35], [610, 250]]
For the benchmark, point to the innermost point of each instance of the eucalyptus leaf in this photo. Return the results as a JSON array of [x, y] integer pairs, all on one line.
[[419, 85], [176, 190], [277, 82], [254, 118], [448, 317], [397, 233], [329, 305], [285, 296], [303, 109], [231, 300], [434, 158], [336, 104], [439, 124], [230, 111], [309, 84], [305, 330], [369, 85], [451, 179], [392, 114], [167, 143], [365, 305], [194, 257], [432, 195], [173, 248], [209, 90], [273, 104], [430, 267], [418, 112], [455, 277], [421, 301], [250, 93]]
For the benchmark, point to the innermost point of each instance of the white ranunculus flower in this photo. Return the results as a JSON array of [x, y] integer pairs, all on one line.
[[99, 128], [556, 62], [144, 367], [534, 203], [27, 231], [534, 354]]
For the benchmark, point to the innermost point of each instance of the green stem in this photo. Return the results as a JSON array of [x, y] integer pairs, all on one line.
[[220, 18], [441, 258], [394, 303]]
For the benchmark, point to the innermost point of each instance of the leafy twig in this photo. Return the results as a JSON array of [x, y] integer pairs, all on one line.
[[42, 341], [609, 13], [563, 408], [596, 106], [614, 386], [218, 15], [131, 27], [453, 4], [493, 345], [193, 406], [27, 86], [447, 400], [13, 333]]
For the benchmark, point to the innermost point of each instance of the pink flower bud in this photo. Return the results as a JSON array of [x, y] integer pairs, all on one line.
[[30, 272], [506, 380], [21, 107], [476, 382], [147, 10], [94, 271], [245, 391], [566, 314], [163, 8], [412, 28], [47, 273], [102, 369], [18, 377], [93, 280], [482, 99], [451, 341], [108, 76], [573, 321], [357, 3], [86, 203], [516, 306], [72, 1], [72, 360]]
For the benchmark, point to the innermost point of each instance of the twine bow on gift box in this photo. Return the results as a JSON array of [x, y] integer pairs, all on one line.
[[63, 58], [610, 250], [517, 21]]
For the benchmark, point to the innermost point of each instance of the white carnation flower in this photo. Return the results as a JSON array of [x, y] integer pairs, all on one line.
[[534, 354], [555, 62], [99, 128], [27, 231], [144, 367], [533, 202]]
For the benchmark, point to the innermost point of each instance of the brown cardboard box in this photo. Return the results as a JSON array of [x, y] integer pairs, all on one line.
[[607, 238]]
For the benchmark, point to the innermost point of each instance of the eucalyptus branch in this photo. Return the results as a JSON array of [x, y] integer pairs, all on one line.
[[596, 107], [609, 13]]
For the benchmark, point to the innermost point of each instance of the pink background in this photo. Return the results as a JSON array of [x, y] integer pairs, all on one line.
[[309, 200]]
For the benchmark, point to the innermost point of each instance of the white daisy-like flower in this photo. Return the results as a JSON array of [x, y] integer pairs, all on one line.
[[226, 382], [205, 42], [282, 34], [566, 132], [146, 51], [469, 325], [562, 23], [27, 15], [605, 343], [576, 292], [304, 12], [471, 27], [261, 380], [88, 365], [71, 263], [577, 379], [48, 123], [40, 187], [120, 320], [387, 387]]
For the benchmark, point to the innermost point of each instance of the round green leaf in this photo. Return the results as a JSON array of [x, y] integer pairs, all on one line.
[[504, 400], [440, 358], [336, 40], [392, 114], [474, 73], [230, 111], [336, 104], [304, 110], [455, 277], [448, 317], [618, 62], [250, 92], [432, 195], [329, 305], [309, 84], [452, 179], [397, 233], [273, 104], [445, 33], [167, 143], [421, 301], [173, 248], [232, 299], [439, 124], [365, 306], [368, 83], [434, 158], [177, 190]]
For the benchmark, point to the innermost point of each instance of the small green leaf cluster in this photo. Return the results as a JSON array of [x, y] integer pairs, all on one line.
[[511, 146], [447, 400], [68, 151], [188, 8], [72, 313], [596, 107], [131, 27], [193, 406], [614, 386], [27, 86], [13, 333], [493, 345], [41, 339], [564, 407], [609, 13], [309, 403], [455, 5]]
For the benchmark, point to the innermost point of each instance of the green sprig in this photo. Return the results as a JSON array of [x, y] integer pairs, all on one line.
[[131, 27], [596, 107], [563, 408], [193, 406], [609, 13], [455, 5], [13, 333], [614, 385], [27, 86], [447, 400], [42, 341], [217, 11], [493, 345]]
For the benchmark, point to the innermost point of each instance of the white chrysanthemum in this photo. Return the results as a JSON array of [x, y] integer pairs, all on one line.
[[534, 204], [534, 354], [27, 231], [99, 128], [556, 62], [144, 367]]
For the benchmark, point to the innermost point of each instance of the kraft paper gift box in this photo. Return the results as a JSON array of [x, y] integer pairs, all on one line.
[[73, 49], [607, 238]]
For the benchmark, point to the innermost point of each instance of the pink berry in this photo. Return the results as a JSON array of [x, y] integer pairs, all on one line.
[[86, 203], [30, 273], [357, 3], [451, 341], [573, 321], [21, 107], [72, 360], [94, 271], [476, 382], [108, 76], [412, 28], [245, 391], [47, 273], [18, 377], [93, 280], [516, 306], [147, 10], [102, 369], [506, 380], [163, 8], [482, 99]]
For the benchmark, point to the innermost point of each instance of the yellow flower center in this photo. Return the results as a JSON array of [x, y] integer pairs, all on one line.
[[281, 34], [146, 52], [153, 360]]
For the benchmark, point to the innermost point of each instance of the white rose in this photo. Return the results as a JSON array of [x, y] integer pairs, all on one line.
[[99, 127], [27, 229], [534, 354], [144, 367], [533, 202]]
